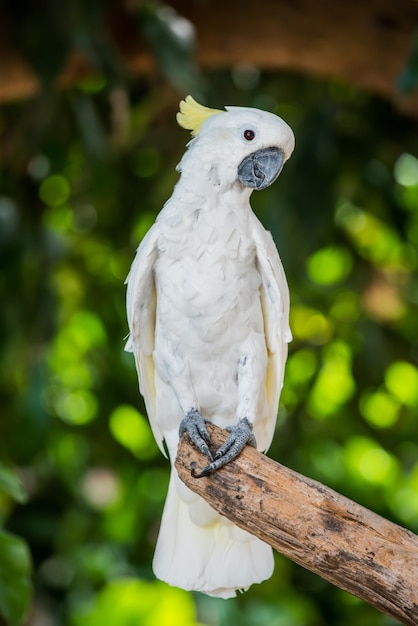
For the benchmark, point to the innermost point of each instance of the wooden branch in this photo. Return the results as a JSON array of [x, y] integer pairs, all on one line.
[[366, 44], [316, 527]]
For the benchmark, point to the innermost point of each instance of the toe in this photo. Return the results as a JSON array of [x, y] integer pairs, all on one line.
[[241, 435], [195, 426]]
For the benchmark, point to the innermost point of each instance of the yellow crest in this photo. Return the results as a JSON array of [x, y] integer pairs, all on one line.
[[192, 114]]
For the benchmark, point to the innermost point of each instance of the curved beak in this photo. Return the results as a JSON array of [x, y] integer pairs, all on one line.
[[261, 168]]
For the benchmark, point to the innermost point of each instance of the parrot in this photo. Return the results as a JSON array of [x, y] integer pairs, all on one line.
[[208, 314]]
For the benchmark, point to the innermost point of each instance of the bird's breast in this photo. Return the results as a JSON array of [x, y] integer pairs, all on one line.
[[206, 273]]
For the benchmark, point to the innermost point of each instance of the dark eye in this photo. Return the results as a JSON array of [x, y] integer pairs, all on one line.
[[249, 134]]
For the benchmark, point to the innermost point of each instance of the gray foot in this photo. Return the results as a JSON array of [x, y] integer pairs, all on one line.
[[195, 426], [240, 436]]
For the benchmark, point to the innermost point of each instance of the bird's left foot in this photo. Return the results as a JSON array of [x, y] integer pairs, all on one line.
[[240, 436]]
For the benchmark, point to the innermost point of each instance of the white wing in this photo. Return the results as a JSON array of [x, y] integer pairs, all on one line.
[[141, 306], [275, 306]]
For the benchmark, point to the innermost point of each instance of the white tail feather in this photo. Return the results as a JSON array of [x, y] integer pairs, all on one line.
[[217, 558]]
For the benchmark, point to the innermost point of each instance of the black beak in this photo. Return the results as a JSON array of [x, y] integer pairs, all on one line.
[[261, 168]]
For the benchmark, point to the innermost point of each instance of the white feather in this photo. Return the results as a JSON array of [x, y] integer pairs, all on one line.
[[208, 308], [207, 553]]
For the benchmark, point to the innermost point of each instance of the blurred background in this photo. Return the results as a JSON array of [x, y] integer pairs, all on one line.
[[88, 149]]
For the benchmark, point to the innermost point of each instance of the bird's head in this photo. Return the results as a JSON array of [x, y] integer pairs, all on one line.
[[238, 146]]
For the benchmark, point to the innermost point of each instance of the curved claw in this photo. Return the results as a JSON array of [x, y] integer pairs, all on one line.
[[206, 470], [195, 426], [194, 466]]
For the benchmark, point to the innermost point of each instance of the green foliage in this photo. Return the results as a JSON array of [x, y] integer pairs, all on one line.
[[10, 485], [127, 602], [130, 429], [83, 174], [408, 80], [172, 39], [15, 561], [15, 569]]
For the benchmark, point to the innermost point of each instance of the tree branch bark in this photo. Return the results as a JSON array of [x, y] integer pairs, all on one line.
[[325, 532]]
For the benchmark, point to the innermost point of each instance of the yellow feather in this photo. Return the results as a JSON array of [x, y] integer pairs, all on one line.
[[192, 114]]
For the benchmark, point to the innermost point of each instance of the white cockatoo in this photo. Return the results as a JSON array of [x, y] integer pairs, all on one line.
[[208, 308]]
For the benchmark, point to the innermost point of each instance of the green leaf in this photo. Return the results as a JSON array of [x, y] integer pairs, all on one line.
[[10, 484], [172, 41], [15, 585], [407, 81]]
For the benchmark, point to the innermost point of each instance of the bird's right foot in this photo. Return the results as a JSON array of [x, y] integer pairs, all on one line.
[[195, 425]]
